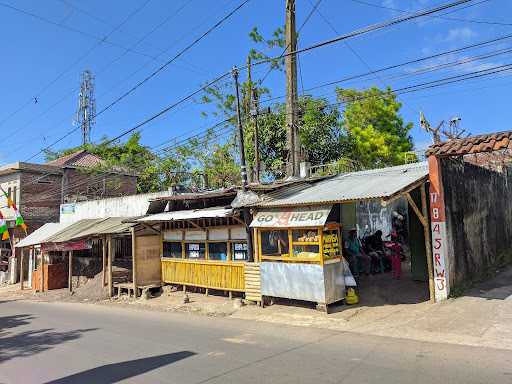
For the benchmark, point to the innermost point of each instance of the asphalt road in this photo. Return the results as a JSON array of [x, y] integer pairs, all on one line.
[[77, 343]]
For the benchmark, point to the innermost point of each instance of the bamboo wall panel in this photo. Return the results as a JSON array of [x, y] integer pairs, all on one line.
[[205, 274], [253, 282]]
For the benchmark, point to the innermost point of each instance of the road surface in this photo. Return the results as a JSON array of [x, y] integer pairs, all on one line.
[[78, 343]]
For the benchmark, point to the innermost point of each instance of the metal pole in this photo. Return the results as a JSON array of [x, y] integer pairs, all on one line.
[[243, 168]]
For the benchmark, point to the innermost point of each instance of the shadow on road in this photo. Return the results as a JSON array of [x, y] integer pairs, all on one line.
[[15, 344], [114, 373]]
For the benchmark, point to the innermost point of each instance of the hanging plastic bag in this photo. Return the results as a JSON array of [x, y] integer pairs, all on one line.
[[349, 278]]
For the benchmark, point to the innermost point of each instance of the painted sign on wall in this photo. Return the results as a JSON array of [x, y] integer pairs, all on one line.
[[438, 228]]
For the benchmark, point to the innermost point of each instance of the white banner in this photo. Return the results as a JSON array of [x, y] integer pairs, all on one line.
[[292, 217]]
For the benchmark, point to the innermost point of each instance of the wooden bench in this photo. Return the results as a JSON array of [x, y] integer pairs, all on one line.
[[124, 286]]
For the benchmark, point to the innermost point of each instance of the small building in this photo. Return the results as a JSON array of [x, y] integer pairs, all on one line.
[[299, 230], [38, 190], [202, 242]]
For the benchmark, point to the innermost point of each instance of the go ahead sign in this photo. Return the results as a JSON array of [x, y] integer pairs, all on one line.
[[292, 217]]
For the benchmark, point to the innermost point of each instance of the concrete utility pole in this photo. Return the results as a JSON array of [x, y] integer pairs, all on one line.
[[243, 167], [254, 114], [292, 135]]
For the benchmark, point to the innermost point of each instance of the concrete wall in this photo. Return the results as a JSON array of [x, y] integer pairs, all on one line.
[[478, 219], [126, 206], [372, 214]]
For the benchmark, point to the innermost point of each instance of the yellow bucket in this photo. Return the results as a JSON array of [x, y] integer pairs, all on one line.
[[352, 297]]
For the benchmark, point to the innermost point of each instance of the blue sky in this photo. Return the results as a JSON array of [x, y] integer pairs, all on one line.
[[35, 53]]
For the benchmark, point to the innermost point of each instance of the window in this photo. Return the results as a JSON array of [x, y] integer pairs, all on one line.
[[239, 251], [195, 251], [275, 243], [173, 249], [218, 251], [305, 243]]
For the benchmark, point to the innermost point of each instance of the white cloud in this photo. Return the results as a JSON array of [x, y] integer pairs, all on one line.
[[459, 34]]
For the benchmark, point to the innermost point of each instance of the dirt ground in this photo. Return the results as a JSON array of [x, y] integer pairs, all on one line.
[[480, 317]]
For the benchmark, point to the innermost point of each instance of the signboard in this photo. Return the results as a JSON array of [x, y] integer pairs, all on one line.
[[194, 250], [292, 217], [67, 209], [239, 251], [331, 245], [438, 228], [68, 246]]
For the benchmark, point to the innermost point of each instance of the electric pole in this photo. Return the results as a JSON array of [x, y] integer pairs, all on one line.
[[86, 112], [243, 168], [290, 60], [254, 114]]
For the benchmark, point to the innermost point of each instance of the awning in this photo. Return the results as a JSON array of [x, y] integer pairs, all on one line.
[[90, 228], [292, 217], [41, 234], [206, 213]]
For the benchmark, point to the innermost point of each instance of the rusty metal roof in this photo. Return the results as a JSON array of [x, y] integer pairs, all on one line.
[[473, 144], [383, 183]]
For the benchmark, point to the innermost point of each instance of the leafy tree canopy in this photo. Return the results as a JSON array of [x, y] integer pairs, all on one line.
[[377, 134]]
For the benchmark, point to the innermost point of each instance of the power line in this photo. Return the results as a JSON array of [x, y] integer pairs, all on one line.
[[315, 46], [101, 39], [158, 70], [403, 64], [476, 21], [108, 65], [74, 63]]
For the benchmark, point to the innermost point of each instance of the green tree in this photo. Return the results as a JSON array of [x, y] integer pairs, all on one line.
[[377, 135]]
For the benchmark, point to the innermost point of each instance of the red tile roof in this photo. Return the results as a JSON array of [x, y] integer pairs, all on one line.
[[80, 159], [473, 144]]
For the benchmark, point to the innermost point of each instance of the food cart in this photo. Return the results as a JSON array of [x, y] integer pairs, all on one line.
[[300, 253]]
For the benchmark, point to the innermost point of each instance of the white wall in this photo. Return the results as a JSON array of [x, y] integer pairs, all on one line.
[[126, 206], [9, 181]]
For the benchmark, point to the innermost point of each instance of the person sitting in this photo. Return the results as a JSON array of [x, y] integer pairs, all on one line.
[[356, 256], [375, 247]]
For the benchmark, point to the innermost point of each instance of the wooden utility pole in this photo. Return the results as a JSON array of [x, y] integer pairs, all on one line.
[[247, 105], [293, 142]]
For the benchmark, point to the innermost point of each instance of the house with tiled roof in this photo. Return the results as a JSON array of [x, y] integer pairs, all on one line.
[[39, 189]]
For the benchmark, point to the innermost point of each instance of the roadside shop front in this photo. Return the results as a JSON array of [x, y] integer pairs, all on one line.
[[302, 231], [300, 253], [203, 248]]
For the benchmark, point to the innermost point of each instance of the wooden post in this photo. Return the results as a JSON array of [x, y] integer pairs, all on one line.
[[110, 255], [134, 261], [428, 246], [21, 269], [70, 271], [42, 272], [104, 258]]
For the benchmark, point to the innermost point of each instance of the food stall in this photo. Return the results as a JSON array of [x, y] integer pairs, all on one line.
[[300, 253]]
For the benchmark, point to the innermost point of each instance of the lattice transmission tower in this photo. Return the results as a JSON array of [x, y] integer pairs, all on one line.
[[86, 112]]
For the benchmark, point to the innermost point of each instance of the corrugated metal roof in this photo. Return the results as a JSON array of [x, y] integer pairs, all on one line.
[[189, 214], [41, 234], [373, 184], [91, 227]]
